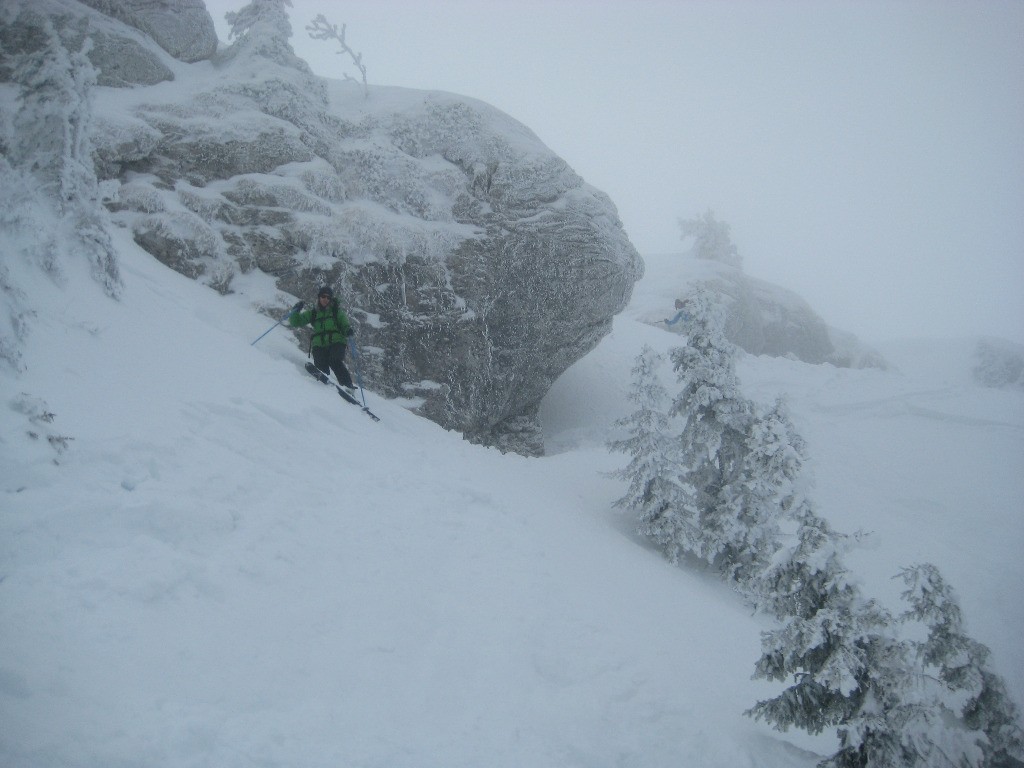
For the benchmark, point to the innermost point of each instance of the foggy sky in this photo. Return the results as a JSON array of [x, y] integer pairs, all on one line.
[[867, 155]]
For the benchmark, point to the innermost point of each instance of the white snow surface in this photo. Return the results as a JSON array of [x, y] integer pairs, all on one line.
[[227, 565]]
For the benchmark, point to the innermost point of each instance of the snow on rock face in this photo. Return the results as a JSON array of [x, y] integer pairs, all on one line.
[[119, 53], [122, 33], [476, 265], [183, 28], [765, 319]]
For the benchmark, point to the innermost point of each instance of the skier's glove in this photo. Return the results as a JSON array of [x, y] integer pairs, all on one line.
[[298, 307]]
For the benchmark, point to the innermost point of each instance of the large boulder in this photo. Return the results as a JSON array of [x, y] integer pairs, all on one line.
[[765, 319], [476, 264], [121, 61], [121, 35], [183, 28]]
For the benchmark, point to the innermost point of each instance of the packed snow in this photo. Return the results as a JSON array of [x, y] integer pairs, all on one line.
[[207, 558]]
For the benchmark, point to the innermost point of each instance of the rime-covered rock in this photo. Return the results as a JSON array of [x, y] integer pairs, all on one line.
[[476, 264], [850, 352], [765, 319], [121, 35], [183, 28], [122, 62]]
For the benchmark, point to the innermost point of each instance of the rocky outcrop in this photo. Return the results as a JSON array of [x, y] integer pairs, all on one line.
[[476, 265], [120, 45], [850, 352], [122, 61], [183, 28], [765, 319]]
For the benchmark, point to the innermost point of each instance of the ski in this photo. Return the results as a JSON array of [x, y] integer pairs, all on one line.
[[323, 378]]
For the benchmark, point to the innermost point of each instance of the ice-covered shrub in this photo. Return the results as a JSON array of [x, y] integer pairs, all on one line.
[[999, 363]]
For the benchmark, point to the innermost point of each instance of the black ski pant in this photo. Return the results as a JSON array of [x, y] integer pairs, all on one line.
[[332, 357]]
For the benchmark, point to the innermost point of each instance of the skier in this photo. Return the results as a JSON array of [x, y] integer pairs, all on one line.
[[680, 315], [331, 330]]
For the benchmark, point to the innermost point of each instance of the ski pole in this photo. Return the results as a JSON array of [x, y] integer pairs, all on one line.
[[291, 312], [359, 373]]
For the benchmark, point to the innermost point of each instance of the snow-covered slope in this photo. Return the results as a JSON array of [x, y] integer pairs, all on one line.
[[217, 562]]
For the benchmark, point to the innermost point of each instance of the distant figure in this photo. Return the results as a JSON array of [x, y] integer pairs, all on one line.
[[331, 330], [680, 315]]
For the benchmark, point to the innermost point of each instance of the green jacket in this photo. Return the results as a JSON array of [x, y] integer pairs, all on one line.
[[329, 326]]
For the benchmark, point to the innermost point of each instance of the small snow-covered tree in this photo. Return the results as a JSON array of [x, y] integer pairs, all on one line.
[[947, 649], [654, 494], [51, 127], [896, 702], [849, 668], [893, 721], [712, 239], [717, 417], [807, 571], [51, 145], [762, 494], [993, 712], [717, 489], [262, 28], [958, 662], [998, 363], [809, 589], [920, 707]]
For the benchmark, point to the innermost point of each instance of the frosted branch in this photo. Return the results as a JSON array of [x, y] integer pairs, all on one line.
[[321, 29]]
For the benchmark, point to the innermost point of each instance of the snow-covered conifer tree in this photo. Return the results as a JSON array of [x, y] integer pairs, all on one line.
[[712, 239], [807, 571], [263, 28], [958, 662], [893, 722], [893, 700], [727, 488], [820, 640], [718, 488], [993, 712], [51, 145], [764, 491], [713, 440], [655, 494]]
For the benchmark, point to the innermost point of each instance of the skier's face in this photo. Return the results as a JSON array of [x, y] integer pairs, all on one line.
[[324, 299]]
